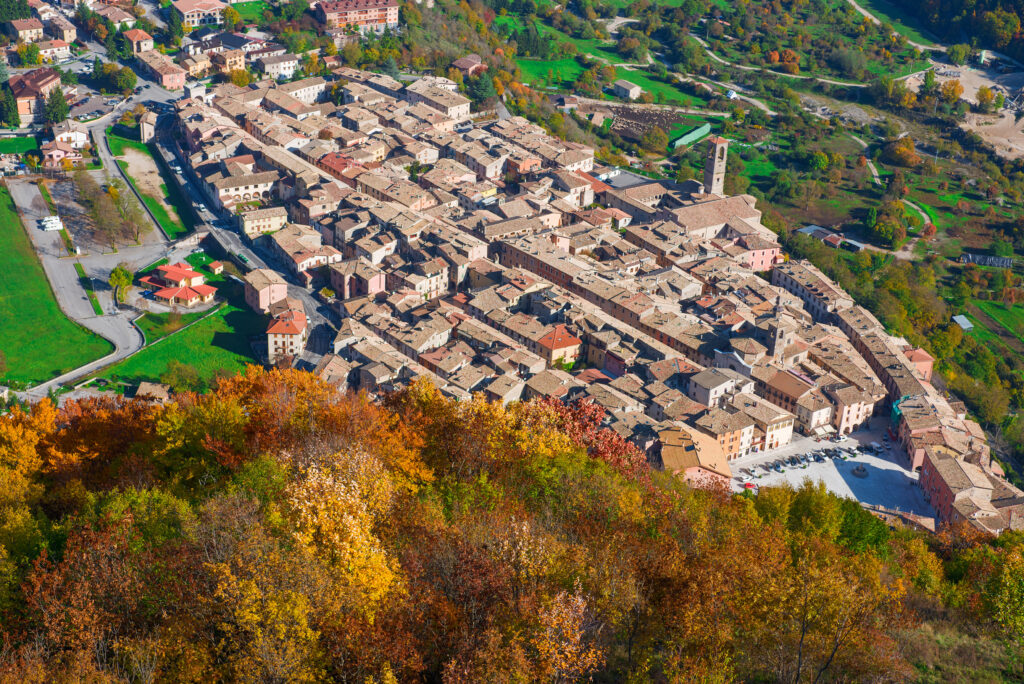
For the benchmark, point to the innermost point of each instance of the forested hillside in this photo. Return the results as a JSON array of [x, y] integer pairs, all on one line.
[[273, 530], [992, 24]]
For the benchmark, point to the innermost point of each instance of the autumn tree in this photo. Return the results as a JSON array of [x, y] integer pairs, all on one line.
[[951, 91]]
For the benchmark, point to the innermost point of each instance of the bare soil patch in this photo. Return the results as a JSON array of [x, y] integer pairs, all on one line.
[[143, 170]]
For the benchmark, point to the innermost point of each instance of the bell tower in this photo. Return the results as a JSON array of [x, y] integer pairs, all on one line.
[[714, 166]]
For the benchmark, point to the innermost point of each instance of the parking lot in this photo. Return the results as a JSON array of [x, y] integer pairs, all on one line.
[[876, 479]]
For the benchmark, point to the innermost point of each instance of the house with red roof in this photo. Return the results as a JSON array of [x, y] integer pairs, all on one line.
[[558, 344], [178, 284], [288, 329]]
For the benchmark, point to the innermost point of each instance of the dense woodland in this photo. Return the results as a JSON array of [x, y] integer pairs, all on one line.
[[993, 24], [274, 530]]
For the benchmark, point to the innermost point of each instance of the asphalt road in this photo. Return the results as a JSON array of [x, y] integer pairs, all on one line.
[[70, 294], [322, 321]]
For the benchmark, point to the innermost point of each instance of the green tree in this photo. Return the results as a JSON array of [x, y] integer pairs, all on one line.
[[124, 80], [958, 53], [1002, 248], [56, 108], [174, 28], [929, 81], [480, 88], [231, 18], [655, 140], [181, 377], [294, 10], [121, 279], [390, 67], [9, 109], [818, 161], [998, 28]]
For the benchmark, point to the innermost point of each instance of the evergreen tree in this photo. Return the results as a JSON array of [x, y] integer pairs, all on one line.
[[481, 88], [4, 75], [56, 108], [14, 9], [391, 68], [174, 27], [9, 109]]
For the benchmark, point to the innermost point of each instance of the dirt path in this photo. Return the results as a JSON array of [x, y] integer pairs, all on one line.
[[143, 169], [805, 77], [997, 329]]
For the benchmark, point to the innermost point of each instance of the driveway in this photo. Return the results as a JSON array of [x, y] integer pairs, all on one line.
[[71, 296]]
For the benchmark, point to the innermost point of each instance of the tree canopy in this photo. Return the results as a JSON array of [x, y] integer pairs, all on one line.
[[274, 529]]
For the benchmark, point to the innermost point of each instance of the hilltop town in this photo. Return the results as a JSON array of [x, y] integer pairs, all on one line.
[[518, 267], [386, 228]]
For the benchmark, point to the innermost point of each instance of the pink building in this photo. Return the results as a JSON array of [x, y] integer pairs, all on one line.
[[761, 254], [852, 407], [357, 278], [263, 288], [921, 360]]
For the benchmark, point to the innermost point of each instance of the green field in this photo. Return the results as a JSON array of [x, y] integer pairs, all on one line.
[[901, 20], [157, 325], [118, 144], [251, 11], [535, 72], [219, 342], [1012, 319], [38, 340], [600, 49], [18, 145], [86, 282], [670, 93]]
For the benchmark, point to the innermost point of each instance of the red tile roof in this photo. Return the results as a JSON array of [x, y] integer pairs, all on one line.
[[186, 294], [291, 322], [176, 273], [559, 337]]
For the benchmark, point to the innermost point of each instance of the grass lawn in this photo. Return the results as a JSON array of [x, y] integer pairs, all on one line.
[[902, 21], [87, 285], [38, 340], [670, 93], [174, 229], [157, 325], [220, 342], [18, 145], [45, 192], [118, 144], [602, 49], [251, 11], [986, 336], [535, 71]]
